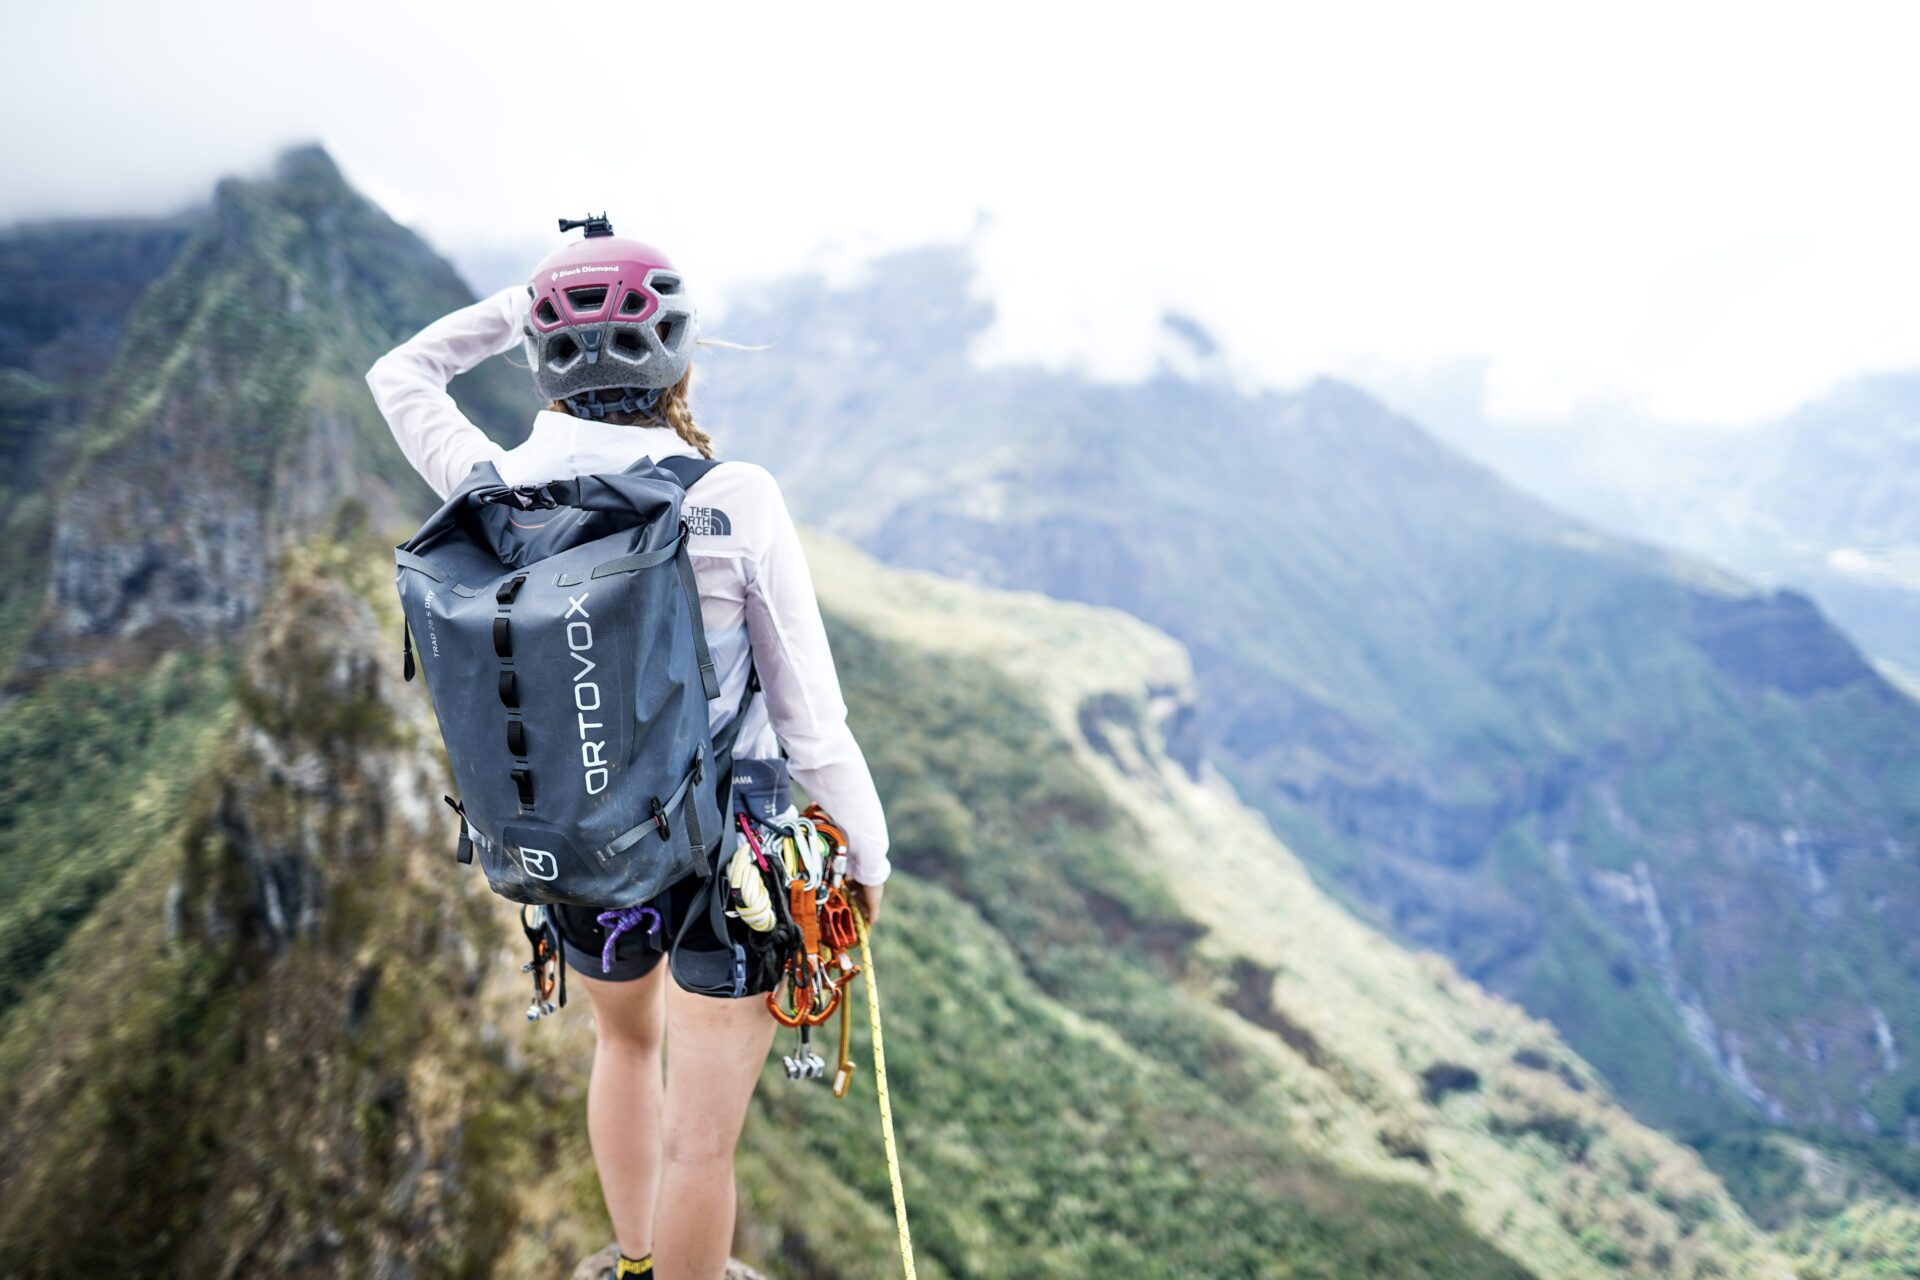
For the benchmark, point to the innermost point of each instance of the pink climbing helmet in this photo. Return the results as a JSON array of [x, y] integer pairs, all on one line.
[[607, 314]]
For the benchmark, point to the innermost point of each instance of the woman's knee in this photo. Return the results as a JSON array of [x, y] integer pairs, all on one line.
[[627, 1016], [684, 1143]]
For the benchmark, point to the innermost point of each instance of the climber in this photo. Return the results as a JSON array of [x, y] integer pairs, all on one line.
[[615, 365]]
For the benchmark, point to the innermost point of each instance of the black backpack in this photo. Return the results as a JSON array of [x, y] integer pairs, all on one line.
[[559, 629]]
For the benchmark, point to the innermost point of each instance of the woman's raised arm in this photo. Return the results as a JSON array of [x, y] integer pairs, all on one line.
[[409, 383]]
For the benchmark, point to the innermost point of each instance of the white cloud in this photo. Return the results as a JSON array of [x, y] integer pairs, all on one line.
[[1702, 212]]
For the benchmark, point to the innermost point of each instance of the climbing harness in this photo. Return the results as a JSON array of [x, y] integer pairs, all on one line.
[[548, 969]]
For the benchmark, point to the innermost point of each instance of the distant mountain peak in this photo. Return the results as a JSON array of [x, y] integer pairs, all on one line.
[[307, 160], [1191, 332]]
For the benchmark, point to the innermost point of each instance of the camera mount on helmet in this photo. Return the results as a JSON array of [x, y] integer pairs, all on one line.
[[595, 225]]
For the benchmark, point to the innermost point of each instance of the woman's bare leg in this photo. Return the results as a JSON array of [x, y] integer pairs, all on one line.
[[623, 1101], [717, 1050]]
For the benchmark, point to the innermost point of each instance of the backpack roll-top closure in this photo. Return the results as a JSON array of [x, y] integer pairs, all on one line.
[[559, 630]]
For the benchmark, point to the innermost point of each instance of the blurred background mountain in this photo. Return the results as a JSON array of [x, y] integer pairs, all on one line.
[[1822, 500], [1317, 856], [1665, 808]]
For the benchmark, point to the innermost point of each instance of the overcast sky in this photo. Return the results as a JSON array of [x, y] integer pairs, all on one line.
[[1706, 213]]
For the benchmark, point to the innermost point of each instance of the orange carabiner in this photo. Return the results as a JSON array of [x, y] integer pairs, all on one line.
[[836, 922], [803, 1006]]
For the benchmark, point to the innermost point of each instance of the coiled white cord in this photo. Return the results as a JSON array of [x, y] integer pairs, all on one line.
[[756, 907]]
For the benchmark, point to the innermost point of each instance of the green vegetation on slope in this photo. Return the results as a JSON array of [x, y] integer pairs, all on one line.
[[1872, 1241], [1085, 1115], [1374, 1061], [99, 765], [1841, 1208], [294, 1082], [266, 322], [218, 416], [65, 291]]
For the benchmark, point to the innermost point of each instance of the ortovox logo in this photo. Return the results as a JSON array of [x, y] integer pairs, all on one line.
[[540, 864], [586, 695], [710, 521]]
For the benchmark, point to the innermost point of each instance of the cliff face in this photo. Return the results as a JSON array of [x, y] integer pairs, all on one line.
[[228, 422], [66, 291]]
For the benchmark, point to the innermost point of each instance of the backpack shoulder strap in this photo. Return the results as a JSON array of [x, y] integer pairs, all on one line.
[[687, 470]]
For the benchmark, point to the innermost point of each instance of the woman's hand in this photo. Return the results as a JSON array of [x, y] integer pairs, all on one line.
[[867, 898]]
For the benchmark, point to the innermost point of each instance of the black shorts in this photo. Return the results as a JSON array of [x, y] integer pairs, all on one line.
[[583, 941], [759, 787]]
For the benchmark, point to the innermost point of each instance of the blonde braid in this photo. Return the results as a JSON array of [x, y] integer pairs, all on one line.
[[677, 408]]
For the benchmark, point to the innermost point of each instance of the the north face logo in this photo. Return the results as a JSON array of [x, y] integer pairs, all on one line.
[[711, 522]]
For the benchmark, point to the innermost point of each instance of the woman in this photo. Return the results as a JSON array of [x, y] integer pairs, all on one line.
[[609, 333]]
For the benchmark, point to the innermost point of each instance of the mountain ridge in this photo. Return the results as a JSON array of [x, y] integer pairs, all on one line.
[[1818, 499], [230, 420]]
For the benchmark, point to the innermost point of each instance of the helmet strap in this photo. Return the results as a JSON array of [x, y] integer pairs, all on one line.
[[632, 400]]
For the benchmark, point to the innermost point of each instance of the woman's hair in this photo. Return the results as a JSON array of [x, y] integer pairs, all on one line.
[[674, 410]]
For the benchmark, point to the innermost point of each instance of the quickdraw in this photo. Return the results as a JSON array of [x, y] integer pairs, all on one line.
[[548, 969], [806, 852]]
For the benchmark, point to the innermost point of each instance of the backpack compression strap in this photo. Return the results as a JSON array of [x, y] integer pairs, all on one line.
[[687, 470]]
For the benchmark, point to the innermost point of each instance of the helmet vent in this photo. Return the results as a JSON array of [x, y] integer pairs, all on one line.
[[633, 304], [588, 297], [562, 349], [627, 341], [666, 330], [665, 284], [546, 312]]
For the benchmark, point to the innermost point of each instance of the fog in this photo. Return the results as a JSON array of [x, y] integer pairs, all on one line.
[[1703, 215]]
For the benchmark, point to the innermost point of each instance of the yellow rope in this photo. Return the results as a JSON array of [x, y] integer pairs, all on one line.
[[886, 1108]]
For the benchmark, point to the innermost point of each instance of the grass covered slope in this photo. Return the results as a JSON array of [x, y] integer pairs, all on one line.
[[99, 768], [1173, 917], [292, 1040]]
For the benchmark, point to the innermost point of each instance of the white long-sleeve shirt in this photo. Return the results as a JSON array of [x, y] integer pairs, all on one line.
[[756, 593]]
